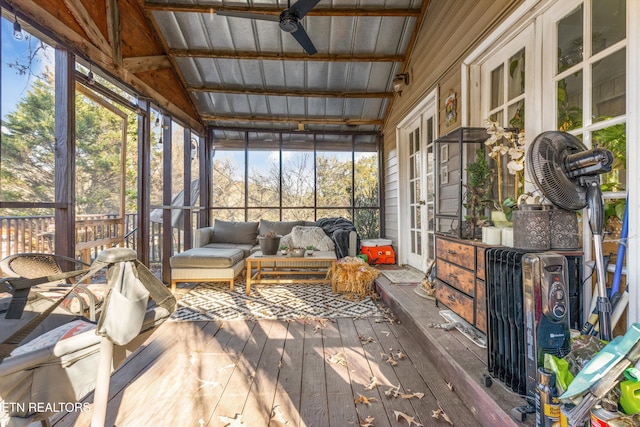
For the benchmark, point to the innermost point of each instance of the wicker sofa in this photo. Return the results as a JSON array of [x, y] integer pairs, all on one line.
[[219, 252]]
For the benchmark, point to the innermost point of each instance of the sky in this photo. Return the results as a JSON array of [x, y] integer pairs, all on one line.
[[15, 86]]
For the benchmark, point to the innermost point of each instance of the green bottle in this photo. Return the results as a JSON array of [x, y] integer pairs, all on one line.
[[630, 398]]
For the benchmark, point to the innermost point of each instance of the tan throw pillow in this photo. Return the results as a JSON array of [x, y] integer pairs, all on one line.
[[303, 236]]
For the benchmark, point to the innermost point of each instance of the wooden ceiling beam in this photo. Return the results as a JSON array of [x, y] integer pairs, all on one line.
[[298, 93], [294, 120], [317, 11], [140, 64], [113, 27], [265, 56], [82, 17]]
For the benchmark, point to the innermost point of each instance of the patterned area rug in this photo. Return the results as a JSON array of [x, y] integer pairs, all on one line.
[[404, 275], [214, 301]]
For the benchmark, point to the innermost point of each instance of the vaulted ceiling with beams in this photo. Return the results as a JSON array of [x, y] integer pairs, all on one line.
[[326, 65]]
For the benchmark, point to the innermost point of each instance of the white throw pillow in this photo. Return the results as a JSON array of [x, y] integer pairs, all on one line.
[[303, 236]]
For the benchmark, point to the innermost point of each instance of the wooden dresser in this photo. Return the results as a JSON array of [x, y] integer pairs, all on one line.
[[460, 278]]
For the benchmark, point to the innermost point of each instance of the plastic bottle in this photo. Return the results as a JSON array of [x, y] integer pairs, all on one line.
[[547, 404]]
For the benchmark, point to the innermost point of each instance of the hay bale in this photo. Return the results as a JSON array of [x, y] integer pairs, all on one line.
[[355, 276]]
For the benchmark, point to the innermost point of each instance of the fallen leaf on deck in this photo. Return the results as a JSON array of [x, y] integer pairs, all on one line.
[[232, 422], [338, 358], [367, 422], [387, 333], [373, 384], [400, 355], [279, 364], [210, 384], [224, 368], [364, 399], [450, 386], [193, 358], [410, 395], [277, 419], [367, 340], [391, 361], [407, 418], [439, 413], [252, 375], [393, 391]]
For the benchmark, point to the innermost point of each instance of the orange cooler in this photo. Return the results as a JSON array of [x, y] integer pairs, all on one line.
[[378, 251]]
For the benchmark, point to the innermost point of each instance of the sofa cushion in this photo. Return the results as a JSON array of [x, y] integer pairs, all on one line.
[[207, 258], [244, 247], [302, 236], [234, 232], [280, 227]]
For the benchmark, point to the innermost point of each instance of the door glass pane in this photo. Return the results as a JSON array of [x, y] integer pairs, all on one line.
[[614, 138], [570, 102], [609, 77], [516, 75], [608, 23], [516, 114], [570, 43], [497, 85], [497, 116]]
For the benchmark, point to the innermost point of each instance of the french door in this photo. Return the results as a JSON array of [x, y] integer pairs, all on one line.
[[417, 217]]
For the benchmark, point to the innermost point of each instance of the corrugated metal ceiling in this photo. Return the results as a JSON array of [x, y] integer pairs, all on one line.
[[248, 73]]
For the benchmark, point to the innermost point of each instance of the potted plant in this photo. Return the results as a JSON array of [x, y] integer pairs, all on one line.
[[297, 252], [506, 148], [269, 242], [478, 194], [310, 249], [284, 249]]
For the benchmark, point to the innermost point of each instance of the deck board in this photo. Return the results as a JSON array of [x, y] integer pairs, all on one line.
[[313, 394], [199, 373]]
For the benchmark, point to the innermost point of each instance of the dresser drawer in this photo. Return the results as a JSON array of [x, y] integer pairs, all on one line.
[[458, 302], [457, 253], [457, 277]]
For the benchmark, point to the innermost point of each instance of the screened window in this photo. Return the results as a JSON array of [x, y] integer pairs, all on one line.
[[297, 176]]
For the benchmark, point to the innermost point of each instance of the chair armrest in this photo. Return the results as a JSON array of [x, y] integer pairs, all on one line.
[[202, 236]]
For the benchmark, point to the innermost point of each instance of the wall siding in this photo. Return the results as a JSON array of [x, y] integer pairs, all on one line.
[[451, 29]]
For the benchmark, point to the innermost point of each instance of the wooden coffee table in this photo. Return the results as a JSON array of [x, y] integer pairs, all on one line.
[[275, 266]]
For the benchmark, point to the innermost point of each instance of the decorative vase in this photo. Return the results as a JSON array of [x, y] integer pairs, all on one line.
[[269, 245], [531, 229], [499, 219], [297, 252], [564, 229]]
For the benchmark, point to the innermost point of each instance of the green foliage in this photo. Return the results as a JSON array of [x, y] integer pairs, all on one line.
[[614, 208], [478, 194], [508, 206], [333, 193], [28, 153]]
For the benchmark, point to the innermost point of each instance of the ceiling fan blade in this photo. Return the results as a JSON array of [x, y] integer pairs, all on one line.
[[303, 38], [302, 7], [249, 15]]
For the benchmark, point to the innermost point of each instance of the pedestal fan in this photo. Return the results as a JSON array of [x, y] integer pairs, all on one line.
[[567, 174]]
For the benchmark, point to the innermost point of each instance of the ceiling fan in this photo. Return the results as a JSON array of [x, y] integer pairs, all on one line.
[[289, 21]]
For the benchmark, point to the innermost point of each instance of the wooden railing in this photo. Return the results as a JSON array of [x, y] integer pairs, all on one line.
[[94, 233]]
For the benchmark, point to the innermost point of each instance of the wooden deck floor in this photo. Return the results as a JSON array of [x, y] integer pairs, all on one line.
[[277, 373]]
